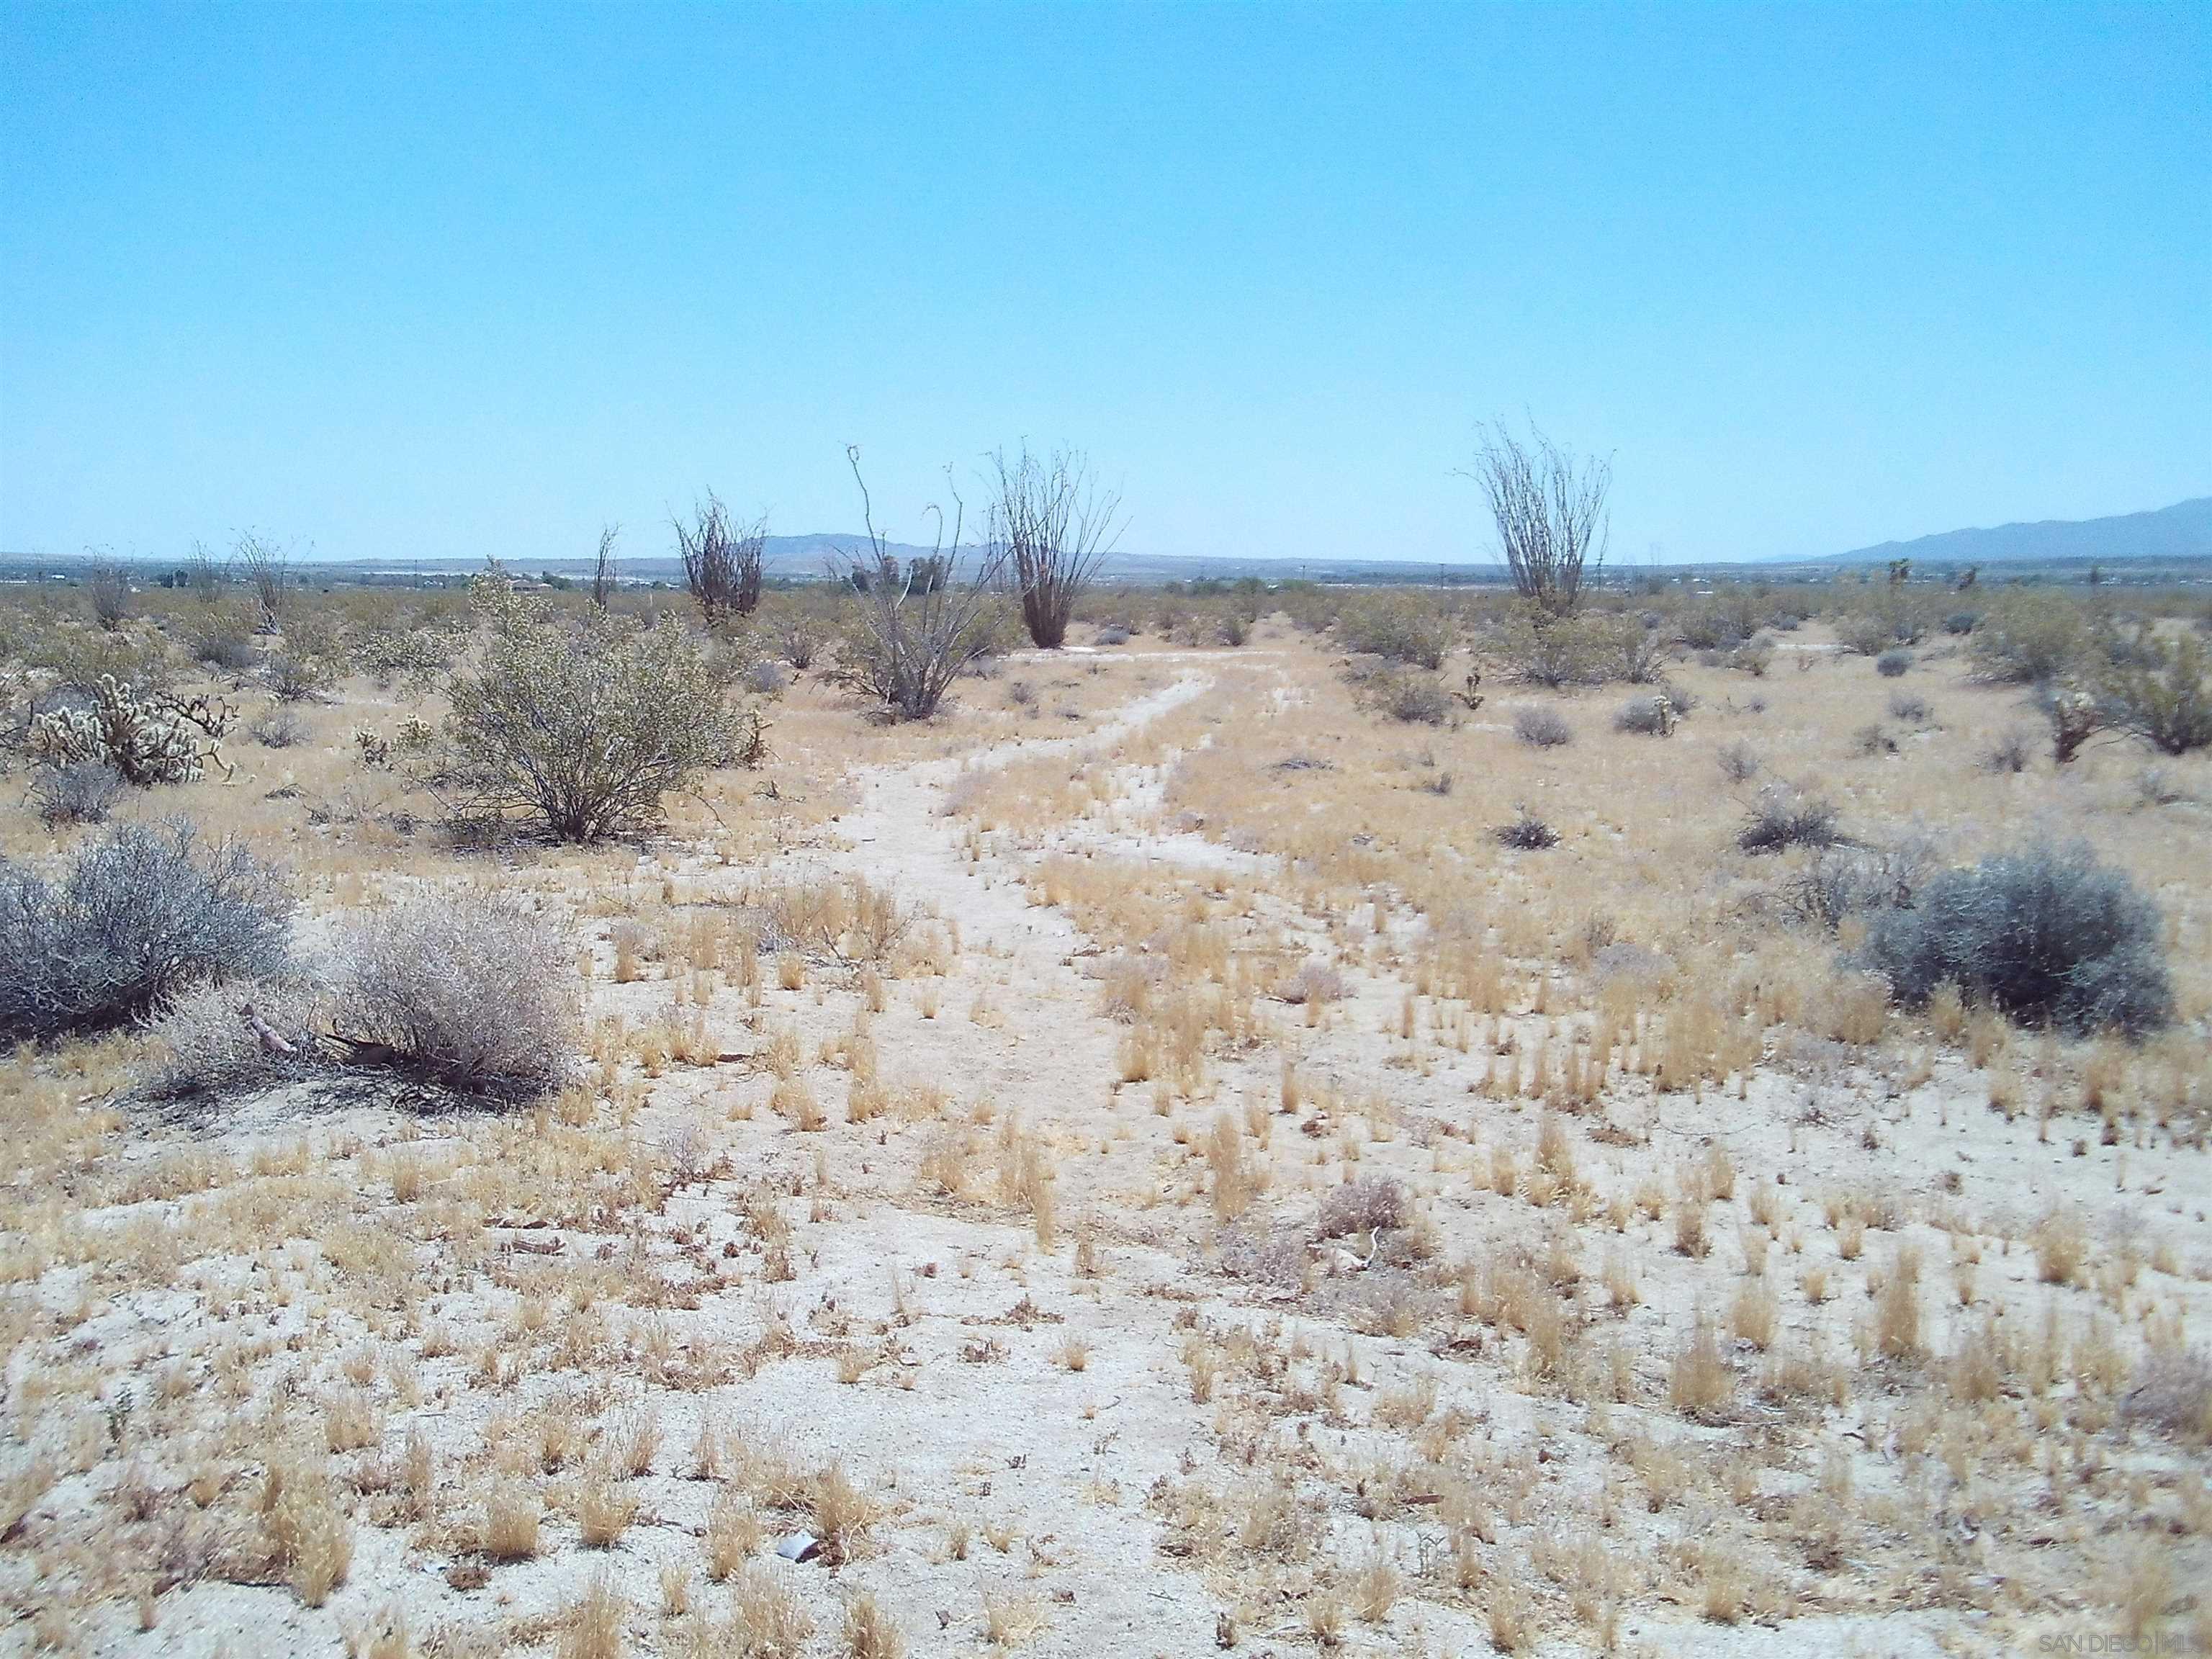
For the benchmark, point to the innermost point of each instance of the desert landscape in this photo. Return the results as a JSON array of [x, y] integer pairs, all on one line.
[[1383, 1120], [1011, 829]]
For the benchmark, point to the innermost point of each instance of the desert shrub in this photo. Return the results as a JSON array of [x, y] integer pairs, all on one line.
[[276, 727], [1962, 622], [1540, 727], [2043, 935], [1359, 1207], [1738, 761], [1908, 706], [1652, 717], [1891, 664], [1399, 627], [800, 635], [1528, 832], [2159, 691], [1844, 880], [2173, 1391], [1570, 651], [1715, 627], [80, 659], [1623, 647], [413, 656], [140, 917], [1405, 695], [1416, 699], [220, 635], [1784, 817], [2009, 754], [1753, 657], [75, 791], [1112, 633], [237, 1035], [766, 678], [472, 990], [2033, 638], [1872, 739], [1895, 616], [107, 584], [582, 730]]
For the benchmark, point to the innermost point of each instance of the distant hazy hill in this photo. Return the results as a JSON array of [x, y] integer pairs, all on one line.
[[2180, 531]]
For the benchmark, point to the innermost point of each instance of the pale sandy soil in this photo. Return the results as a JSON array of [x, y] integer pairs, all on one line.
[[1055, 1302]]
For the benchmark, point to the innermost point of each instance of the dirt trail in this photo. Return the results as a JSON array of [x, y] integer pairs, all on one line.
[[901, 837]]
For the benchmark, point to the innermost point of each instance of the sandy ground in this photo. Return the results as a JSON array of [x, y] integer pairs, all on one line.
[[1127, 1415]]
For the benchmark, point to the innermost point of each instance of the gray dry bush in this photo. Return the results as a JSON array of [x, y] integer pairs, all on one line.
[[1784, 817], [1359, 1206], [472, 990], [205, 1041], [76, 791], [1739, 762], [1845, 880], [1540, 727], [140, 917], [2043, 935]]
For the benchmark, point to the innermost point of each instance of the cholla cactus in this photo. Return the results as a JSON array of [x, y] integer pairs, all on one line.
[[374, 748], [414, 735], [149, 737]]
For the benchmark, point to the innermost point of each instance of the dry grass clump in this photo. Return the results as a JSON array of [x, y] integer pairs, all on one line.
[[592, 1628], [870, 1632], [734, 1534], [474, 990], [306, 1529], [605, 1506], [511, 1512], [842, 1512], [766, 1619], [1700, 1382], [1231, 1169]]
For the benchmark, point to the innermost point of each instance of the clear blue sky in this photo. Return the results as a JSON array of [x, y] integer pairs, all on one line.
[[404, 281]]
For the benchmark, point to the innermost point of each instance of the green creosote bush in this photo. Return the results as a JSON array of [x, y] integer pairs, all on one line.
[[580, 728]]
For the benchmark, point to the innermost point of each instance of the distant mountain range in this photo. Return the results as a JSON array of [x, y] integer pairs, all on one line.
[[2183, 531]]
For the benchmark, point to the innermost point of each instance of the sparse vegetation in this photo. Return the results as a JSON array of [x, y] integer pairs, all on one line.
[[1465, 1209]]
